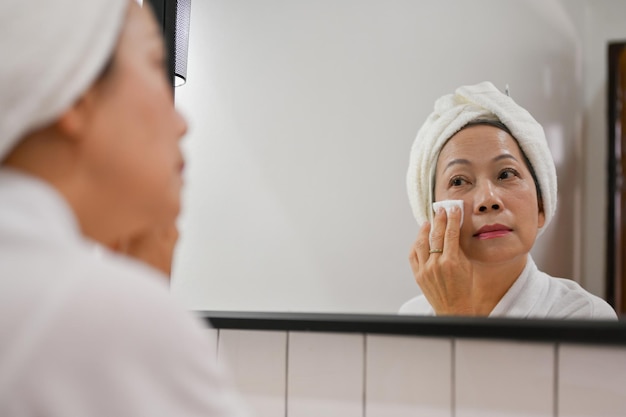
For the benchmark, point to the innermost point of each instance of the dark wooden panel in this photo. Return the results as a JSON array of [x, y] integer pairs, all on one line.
[[616, 162]]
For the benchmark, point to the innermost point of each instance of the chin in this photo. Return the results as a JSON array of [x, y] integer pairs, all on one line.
[[495, 257], [487, 253]]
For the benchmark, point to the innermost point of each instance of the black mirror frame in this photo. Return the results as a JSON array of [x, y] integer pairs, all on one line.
[[596, 332]]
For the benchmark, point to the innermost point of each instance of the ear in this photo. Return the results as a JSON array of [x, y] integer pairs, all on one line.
[[542, 219], [75, 120]]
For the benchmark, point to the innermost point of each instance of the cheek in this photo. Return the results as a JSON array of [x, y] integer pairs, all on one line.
[[466, 234], [152, 124], [524, 202], [148, 156]]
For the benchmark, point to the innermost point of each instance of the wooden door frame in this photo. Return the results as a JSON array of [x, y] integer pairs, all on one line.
[[616, 224]]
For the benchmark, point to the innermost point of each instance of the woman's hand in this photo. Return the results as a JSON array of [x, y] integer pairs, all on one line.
[[155, 247], [440, 267]]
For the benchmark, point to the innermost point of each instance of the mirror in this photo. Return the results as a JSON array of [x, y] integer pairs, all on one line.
[[302, 115]]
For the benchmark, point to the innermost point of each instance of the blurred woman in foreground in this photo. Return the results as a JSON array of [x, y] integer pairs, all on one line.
[[89, 151]]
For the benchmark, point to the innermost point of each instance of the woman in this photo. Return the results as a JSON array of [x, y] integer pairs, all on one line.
[[90, 158], [483, 149]]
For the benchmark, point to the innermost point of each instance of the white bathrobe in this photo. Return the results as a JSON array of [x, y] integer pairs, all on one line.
[[536, 294], [86, 332]]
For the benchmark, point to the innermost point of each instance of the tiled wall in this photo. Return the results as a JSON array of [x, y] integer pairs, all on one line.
[[302, 374]]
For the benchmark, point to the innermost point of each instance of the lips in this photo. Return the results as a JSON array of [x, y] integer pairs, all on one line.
[[492, 231]]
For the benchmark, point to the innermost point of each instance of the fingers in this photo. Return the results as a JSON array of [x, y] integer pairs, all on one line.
[[433, 240], [153, 246], [438, 230], [453, 230], [446, 230], [446, 278]]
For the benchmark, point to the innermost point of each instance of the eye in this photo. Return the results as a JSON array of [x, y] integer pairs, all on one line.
[[508, 173], [457, 181]]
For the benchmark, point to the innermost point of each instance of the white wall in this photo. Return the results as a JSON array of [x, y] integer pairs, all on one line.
[[604, 23], [302, 114]]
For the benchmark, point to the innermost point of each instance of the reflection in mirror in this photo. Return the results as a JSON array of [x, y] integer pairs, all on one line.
[[482, 150], [302, 115]]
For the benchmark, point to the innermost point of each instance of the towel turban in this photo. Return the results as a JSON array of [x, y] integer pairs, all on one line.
[[52, 51], [452, 112]]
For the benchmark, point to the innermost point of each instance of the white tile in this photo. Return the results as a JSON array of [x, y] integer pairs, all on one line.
[[504, 379], [325, 375], [257, 362], [408, 376], [591, 381]]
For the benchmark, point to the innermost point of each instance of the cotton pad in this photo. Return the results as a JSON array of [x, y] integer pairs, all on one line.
[[448, 204]]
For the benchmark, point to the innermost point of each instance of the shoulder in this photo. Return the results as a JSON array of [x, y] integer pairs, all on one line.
[[119, 343], [125, 313], [538, 295], [417, 306], [570, 300], [107, 309], [119, 294]]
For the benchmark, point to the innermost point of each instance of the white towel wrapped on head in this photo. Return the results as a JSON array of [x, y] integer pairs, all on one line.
[[46, 63], [452, 112]]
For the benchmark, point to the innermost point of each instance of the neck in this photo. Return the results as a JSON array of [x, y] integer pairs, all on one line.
[[491, 282]]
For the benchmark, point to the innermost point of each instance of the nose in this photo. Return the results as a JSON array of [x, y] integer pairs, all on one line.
[[487, 198]]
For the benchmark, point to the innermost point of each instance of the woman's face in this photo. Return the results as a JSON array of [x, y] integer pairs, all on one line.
[[133, 156], [483, 166]]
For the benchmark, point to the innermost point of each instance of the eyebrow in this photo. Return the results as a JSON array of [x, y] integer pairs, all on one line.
[[466, 162]]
